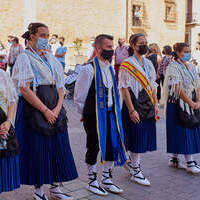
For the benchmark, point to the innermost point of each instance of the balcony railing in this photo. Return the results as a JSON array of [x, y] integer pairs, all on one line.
[[193, 18]]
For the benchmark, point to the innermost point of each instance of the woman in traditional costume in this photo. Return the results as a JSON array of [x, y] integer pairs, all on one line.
[[182, 93], [137, 82], [41, 122], [9, 148]]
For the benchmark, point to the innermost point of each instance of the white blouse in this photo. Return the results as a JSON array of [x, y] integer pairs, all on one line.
[[176, 75], [84, 82], [23, 72], [7, 89], [126, 80]]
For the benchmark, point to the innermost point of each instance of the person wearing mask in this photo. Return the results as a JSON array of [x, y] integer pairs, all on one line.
[[182, 94], [54, 43], [61, 52], [41, 120], [3, 57], [10, 42], [196, 54], [166, 60], [9, 147], [15, 50], [97, 99], [121, 53], [140, 107]]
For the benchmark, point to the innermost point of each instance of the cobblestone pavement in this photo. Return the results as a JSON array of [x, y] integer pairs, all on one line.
[[166, 183]]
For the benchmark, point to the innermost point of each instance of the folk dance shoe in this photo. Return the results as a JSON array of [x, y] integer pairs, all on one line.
[[176, 163], [57, 194], [108, 184], [128, 165], [138, 177], [193, 167], [94, 186], [40, 197], [39, 194]]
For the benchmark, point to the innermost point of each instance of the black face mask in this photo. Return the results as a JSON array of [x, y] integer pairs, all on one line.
[[107, 54], [143, 49]]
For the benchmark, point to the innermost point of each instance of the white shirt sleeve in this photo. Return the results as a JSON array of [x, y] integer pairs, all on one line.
[[22, 71], [82, 86]]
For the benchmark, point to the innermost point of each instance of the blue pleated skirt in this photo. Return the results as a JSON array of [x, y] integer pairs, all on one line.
[[180, 140], [9, 174], [43, 159], [139, 138]]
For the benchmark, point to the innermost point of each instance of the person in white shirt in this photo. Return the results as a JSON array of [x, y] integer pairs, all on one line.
[[54, 43]]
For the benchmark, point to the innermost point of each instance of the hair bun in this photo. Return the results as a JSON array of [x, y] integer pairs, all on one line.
[[26, 35], [173, 53]]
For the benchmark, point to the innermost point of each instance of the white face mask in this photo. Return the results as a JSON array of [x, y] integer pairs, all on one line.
[[53, 41]]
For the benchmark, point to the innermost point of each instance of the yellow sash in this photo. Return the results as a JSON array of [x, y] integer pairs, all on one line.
[[140, 77]]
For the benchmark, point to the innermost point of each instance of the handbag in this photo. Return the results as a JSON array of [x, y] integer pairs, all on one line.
[[48, 94], [9, 146], [143, 105], [185, 119]]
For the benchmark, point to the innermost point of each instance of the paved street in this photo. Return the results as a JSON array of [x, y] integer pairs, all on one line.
[[167, 183]]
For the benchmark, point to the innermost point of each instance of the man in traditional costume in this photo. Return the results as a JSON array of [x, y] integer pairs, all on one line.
[[97, 99]]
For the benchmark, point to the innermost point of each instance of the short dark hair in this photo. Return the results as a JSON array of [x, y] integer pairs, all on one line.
[[167, 49], [16, 39], [62, 38], [10, 36], [100, 38], [178, 47], [55, 35]]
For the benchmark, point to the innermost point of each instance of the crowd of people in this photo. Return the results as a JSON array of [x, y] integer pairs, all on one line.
[[34, 142], [10, 52]]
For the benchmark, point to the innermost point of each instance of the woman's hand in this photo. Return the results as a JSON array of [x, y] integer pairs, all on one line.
[[197, 105], [4, 128], [134, 116], [50, 116], [156, 109], [194, 105], [56, 111]]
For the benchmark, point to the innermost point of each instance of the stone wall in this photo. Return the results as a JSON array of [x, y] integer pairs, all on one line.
[[82, 19], [11, 18]]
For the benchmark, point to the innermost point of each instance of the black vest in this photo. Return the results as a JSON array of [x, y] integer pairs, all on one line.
[[90, 103]]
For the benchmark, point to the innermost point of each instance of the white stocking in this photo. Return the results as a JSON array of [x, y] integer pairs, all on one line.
[[135, 159], [188, 158]]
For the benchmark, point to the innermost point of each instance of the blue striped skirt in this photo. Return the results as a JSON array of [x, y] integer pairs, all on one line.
[[43, 159], [180, 140], [9, 174], [141, 137]]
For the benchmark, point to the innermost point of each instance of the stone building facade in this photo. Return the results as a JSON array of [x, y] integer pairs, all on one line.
[[192, 34], [163, 21]]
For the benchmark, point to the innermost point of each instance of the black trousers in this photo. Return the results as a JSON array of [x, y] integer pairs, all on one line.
[[92, 143], [160, 82]]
